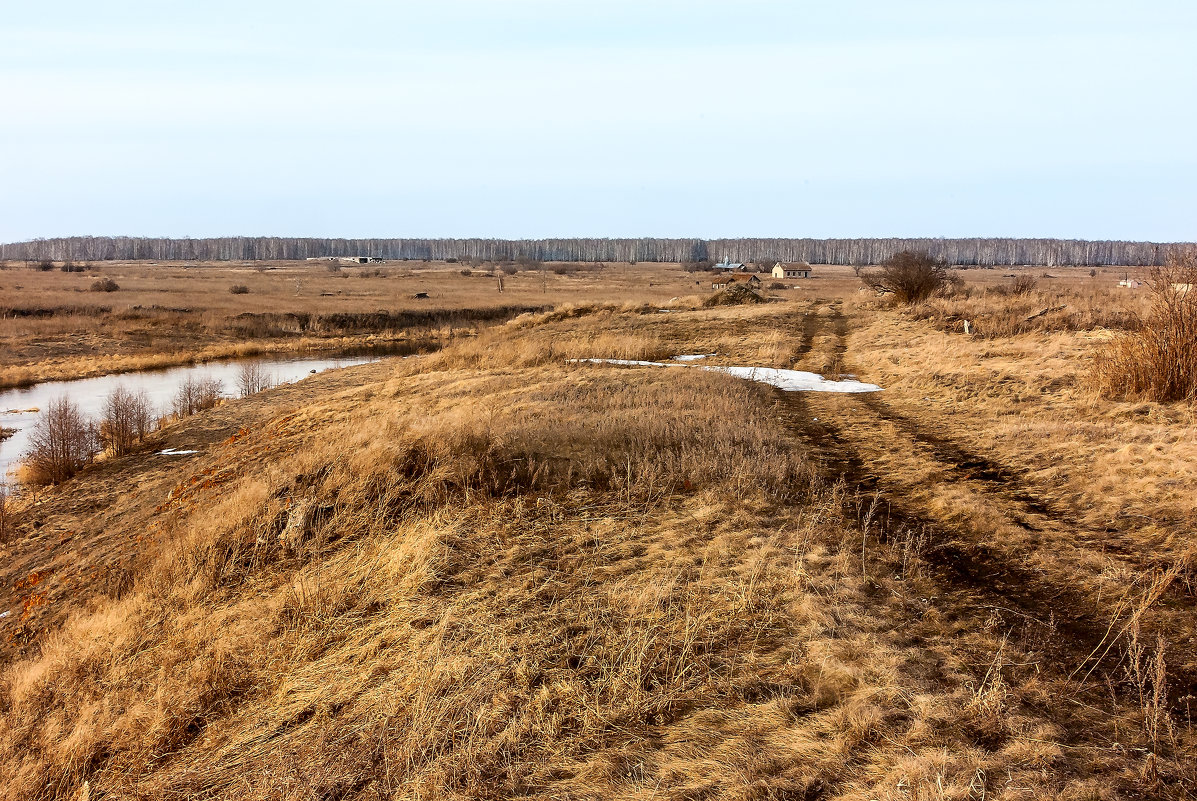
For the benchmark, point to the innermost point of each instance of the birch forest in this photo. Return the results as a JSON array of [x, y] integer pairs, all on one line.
[[981, 251]]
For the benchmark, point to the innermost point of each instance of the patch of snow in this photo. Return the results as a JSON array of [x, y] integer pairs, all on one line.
[[788, 380], [691, 357], [794, 380], [5, 614], [175, 452], [623, 362]]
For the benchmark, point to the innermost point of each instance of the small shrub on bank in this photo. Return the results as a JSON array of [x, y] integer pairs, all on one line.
[[128, 418], [104, 285], [196, 395], [1158, 362], [239, 289], [61, 443], [252, 378]]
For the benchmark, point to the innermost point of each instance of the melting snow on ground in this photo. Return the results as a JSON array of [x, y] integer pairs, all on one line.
[[788, 380], [175, 452], [691, 357]]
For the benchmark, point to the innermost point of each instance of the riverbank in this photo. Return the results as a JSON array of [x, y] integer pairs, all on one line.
[[53, 327], [74, 368]]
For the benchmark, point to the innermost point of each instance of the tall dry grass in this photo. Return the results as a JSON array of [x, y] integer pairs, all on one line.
[[1158, 362], [474, 559]]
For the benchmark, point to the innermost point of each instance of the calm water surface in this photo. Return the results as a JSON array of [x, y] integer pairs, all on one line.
[[18, 407]]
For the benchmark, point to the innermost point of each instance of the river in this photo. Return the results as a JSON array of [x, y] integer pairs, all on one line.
[[19, 407]]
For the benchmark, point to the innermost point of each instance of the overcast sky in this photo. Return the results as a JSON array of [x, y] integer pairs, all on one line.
[[531, 118]]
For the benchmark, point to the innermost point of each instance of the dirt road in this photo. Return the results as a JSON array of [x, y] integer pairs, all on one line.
[[997, 548]]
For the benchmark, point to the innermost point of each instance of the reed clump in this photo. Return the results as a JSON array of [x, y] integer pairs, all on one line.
[[1158, 362]]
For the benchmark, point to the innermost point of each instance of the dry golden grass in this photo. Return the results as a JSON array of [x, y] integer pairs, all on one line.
[[485, 573], [53, 328], [1159, 360]]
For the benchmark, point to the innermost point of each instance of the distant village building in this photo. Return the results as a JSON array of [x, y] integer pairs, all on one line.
[[781, 270], [751, 280], [349, 259], [726, 266]]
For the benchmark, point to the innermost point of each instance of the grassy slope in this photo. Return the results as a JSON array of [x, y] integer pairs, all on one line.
[[486, 574]]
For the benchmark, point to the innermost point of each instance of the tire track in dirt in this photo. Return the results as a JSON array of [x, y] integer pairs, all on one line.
[[982, 574], [812, 325], [959, 554], [998, 479]]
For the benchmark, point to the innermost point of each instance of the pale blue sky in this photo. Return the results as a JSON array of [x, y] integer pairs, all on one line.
[[532, 118]]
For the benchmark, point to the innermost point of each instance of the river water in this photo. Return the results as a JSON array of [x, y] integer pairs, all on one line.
[[19, 407]]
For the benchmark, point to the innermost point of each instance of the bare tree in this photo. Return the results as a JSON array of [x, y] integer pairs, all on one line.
[[127, 418], [252, 378], [909, 276], [195, 395], [61, 442]]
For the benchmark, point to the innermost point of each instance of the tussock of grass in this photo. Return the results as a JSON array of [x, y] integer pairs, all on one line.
[[1157, 362]]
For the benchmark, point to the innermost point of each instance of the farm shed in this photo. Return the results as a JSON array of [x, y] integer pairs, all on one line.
[[791, 270]]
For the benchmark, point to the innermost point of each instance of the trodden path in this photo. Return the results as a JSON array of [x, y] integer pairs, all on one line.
[[997, 549]]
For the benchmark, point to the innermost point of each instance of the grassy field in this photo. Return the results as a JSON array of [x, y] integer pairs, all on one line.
[[491, 572], [54, 327]]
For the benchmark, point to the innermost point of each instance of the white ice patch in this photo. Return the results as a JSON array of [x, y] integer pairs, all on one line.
[[788, 380], [623, 362], [691, 357], [175, 452], [794, 380]]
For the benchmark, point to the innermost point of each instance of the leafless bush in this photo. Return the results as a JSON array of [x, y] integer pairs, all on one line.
[[909, 276], [252, 378], [333, 267], [104, 285], [195, 395], [1023, 285], [509, 269], [239, 289], [61, 442], [1159, 361], [128, 417]]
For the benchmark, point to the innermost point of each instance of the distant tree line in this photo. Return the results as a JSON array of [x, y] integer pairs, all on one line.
[[991, 251]]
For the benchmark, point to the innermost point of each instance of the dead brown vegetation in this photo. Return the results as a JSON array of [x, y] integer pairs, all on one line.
[[127, 418], [908, 277], [488, 573], [1158, 361], [734, 295], [61, 442]]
